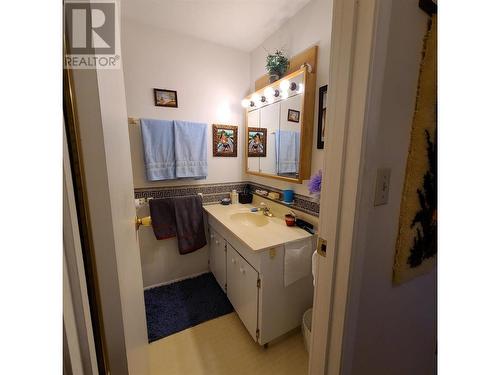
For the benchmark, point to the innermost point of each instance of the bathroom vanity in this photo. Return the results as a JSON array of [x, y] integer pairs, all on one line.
[[247, 252]]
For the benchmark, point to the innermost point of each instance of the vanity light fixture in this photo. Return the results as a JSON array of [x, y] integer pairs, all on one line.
[[284, 85], [271, 94]]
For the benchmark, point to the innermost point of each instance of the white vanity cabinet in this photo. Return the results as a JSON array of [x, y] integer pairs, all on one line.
[[254, 284], [218, 257], [242, 289]]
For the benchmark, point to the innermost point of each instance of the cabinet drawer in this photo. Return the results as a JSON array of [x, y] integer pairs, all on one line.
[[242, 289]]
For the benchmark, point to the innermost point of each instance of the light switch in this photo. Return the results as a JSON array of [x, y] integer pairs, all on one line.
[[382, 186]]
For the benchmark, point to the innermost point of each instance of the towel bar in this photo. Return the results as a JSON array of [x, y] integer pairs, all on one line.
[[146, 220], [133, 121]]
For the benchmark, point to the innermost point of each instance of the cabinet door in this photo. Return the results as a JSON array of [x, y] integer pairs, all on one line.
[[242, 289], [218, 258]]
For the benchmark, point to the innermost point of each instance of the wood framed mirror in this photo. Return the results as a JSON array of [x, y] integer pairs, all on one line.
[[279, 128]]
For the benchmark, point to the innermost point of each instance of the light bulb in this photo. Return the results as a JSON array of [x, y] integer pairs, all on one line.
[[285, 85], [245, 103], [284, 94], [269, 93], [255, 98], [301, 88]]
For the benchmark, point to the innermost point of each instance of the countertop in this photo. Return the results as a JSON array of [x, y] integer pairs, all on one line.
[[258, 238]]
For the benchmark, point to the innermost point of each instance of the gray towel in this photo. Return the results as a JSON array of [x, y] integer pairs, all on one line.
[[190, 224], [181, 217], [163, 218]]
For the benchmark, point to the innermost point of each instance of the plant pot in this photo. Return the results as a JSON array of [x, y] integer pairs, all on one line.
[[273, 77]]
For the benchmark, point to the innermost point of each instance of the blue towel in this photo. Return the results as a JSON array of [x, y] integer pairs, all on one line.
[[190, 144], [287, 151], [159, 155]]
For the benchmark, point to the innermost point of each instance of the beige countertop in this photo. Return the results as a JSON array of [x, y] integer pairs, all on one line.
[[258, 232]]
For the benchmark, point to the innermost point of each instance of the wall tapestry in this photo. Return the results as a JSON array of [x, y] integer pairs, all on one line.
[[416, 246]]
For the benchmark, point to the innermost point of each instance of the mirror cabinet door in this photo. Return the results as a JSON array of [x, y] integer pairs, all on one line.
[[270, 120], [253, 121], [288, 138], [275, 128]]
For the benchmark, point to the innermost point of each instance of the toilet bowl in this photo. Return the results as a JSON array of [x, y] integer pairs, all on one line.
[[306, 328], [307, 317]]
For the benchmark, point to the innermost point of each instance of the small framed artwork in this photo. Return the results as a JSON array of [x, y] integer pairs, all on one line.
[[165, 98], [225, 140], [257, 138], [293, 115], [322, 116]]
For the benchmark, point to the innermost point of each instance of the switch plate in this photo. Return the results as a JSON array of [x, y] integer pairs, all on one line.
[[382, 186]]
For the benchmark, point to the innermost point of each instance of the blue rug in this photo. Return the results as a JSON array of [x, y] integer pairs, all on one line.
[[175, 307]]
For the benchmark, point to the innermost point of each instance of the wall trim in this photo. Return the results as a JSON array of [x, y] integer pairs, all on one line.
[[213, 193]]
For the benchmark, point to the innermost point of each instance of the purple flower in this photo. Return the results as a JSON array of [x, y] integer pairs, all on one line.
[[315, 183]]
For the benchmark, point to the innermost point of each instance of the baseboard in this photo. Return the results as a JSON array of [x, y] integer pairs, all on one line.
[[176, 280]]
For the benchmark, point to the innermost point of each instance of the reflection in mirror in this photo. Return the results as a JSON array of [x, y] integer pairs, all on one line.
[[274, 127], [253, 120], [288, 137], [270, 119]]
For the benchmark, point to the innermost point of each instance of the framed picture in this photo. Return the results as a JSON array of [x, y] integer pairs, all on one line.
[[165, 98], [256, 142], [322, 116], [293, 115], [225, 140]]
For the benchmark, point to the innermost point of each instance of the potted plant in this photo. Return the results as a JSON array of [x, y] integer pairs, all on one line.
[[277, 65], [315, 185]]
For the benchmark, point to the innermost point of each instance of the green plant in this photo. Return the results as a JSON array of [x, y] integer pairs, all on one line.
[[277, 63]]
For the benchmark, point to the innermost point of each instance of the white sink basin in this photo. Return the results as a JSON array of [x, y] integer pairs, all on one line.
[[250, 219], [255, 230]]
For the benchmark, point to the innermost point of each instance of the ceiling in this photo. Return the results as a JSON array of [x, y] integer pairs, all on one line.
[[240, 24]]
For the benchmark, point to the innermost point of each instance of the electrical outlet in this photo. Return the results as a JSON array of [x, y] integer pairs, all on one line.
[[382, 186]]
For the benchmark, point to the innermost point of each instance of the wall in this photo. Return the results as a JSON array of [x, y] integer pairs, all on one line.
[[395, 326], [210, 81], [312, 25]]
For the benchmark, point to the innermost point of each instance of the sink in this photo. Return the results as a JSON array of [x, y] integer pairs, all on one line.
[[250, 219]]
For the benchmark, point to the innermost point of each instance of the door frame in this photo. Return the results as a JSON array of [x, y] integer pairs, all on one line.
[[357, 59]]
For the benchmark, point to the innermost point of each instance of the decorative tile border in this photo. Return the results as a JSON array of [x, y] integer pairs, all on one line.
[[301, 202], [215, 192]]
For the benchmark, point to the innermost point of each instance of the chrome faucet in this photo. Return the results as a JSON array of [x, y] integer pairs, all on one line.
[[265, 210]]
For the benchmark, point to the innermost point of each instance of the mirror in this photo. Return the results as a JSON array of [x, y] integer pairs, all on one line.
[[276, 122]]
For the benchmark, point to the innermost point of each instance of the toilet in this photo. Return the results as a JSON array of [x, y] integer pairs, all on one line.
[[307, 317]]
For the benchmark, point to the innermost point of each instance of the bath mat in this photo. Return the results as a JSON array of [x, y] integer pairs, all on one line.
[[175, 307]]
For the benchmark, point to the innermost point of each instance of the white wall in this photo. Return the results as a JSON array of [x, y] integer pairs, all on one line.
[[210, 81], [395, 326], [312, 25]]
